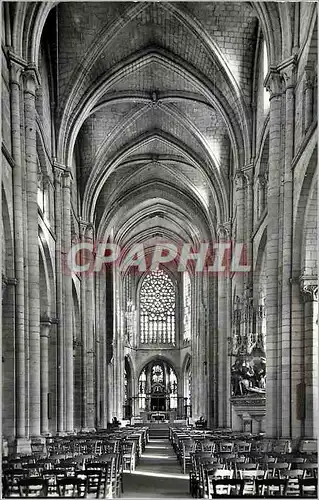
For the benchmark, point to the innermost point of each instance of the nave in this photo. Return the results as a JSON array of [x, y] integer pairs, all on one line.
[[158, 222], [158, 474]]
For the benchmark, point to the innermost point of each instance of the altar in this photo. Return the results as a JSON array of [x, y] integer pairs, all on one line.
[[156, 416]]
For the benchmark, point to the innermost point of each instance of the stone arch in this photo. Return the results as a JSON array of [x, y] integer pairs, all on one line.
[[269, 19], [7, 20], [45, 295], [98, 178], [186, 368], [69, 131], [302, 197], [311, 50], [7, 239], [131, 384], [49, 270], [166, 358], [309, 263]]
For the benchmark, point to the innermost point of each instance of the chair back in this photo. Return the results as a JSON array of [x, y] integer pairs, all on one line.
[[308, 487], [271, 487], [33, 487], [73, 487], [227, 487]]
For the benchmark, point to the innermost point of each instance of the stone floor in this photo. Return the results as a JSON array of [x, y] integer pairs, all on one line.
[[158, 474]]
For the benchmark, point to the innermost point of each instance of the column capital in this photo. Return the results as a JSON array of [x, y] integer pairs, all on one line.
[[273, 82], [60, 172], [16, 66], [66, 179], [47, 180], [8, 282], [310, 75], [309, 288], [45, 325], [240, 180], [86, 229], [248, 171], [262, 179], [32, 79], [224, 229], [288, 70]]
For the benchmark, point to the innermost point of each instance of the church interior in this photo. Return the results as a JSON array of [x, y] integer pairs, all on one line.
[[159, 313]]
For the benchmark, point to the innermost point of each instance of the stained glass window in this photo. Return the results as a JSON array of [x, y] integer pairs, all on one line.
[[157, 374], [157, 309], [187, 295]]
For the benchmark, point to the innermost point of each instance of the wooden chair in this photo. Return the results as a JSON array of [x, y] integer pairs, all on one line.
[[94, 480], [129, 456], [308, 446], [311, 469], [271, 487], [188, 447], [52, 476], [292, 477], [72, 487], [212, 475], [33, 487], [245, 466], [12, 478], [226, 447], [275, 470], [308, 487], [207, 471], [227, 487], [250, 477], [242, 447]]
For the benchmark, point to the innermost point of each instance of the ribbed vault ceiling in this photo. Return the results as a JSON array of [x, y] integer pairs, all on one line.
[[155, 102]]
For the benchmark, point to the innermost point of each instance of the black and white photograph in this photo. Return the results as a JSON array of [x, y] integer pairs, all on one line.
[[159, 249]]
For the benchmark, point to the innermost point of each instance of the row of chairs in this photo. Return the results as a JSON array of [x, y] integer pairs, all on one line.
[[101, 477], [201, 478], [68, 471], [261, 488]]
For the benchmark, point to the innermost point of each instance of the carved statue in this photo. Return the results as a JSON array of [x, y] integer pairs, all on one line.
[[248, 376]]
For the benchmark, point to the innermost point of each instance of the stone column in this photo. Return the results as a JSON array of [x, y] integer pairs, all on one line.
[[15, 86], [273, 407], [309, 288], [67, 304], [223, 360], [31, 82], [118, 348], [195, 352], [97, 353], [89, 335], [288, 73], [240, 188], [59, 296], [45, 334], [248, 169], [83, 226], [309, 101], [103, 350]]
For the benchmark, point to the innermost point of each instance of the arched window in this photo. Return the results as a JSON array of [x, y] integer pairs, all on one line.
[[188, 385], [157, 309], [187, 298], [172, 389], [142, 390]]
